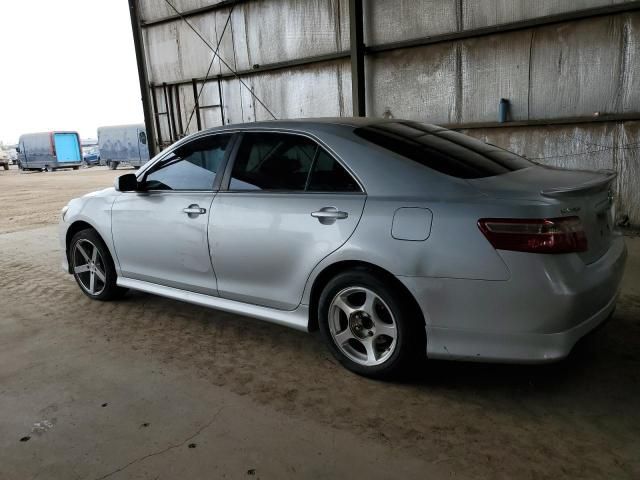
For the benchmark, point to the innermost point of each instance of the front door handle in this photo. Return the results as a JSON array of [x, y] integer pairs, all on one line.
[[329, 215], [194, 210]]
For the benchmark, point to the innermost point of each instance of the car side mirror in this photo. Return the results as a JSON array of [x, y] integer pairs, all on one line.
[[127, 183], [18, 149]]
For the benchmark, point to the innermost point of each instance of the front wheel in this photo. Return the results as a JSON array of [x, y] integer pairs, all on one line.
[[92, 266], [369, 326]]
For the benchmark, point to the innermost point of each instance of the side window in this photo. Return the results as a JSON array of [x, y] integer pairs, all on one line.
[[273, 161], [193, 167], [329, 176]]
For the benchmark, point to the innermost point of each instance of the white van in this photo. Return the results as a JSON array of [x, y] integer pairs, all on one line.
[[123, 144]]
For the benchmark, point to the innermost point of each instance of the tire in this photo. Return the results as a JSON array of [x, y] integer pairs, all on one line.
[[393, 328], [112, 165], [97, 265], [76, 168]]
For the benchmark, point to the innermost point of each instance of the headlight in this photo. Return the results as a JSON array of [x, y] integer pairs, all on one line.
[[64, 211]]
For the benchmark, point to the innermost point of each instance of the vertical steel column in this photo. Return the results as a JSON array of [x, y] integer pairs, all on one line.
[[138, 44], [220, 102], [356, 33], [166, 110], [179, 112], [156, 114], [196, 103]]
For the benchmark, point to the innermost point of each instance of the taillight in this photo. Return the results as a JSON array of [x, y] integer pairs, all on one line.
[[544, 235]]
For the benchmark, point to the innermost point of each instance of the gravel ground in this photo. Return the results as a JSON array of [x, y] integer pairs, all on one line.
[[226, 396]]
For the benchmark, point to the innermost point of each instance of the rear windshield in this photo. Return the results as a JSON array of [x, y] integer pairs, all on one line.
[[443, 150]]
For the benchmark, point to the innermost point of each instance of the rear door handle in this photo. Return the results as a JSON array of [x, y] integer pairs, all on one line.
[[194, 210], [328, 215]]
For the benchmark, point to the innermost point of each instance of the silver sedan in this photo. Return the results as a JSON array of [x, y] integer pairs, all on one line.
[[396, 239]]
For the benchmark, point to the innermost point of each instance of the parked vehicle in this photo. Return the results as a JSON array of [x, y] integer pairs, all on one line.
[[4, 159], [13, 155], [123, 144], [393, 238], [91, 155], [49, 151]]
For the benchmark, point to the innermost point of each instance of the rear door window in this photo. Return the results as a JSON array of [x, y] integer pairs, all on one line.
[[287, 162], [443, 150], [273, 161], [329, 176]]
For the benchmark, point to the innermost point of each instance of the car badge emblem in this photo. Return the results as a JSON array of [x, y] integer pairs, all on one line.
[[570, 210]]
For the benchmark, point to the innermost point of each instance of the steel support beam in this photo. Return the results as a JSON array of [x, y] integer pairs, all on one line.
[[196, 101], [271, 67], [356, 34], [614, 117], [196, 11], [138, 45], [507, 27]]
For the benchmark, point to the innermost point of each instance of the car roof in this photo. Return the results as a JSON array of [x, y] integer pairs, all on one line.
[[305, 124]]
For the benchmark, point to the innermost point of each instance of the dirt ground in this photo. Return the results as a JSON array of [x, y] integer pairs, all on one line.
[[31, 199], [152, 388]]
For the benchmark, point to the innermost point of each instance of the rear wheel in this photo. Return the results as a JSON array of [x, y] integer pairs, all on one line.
[[112, 165], [92, 266], [368, 326]]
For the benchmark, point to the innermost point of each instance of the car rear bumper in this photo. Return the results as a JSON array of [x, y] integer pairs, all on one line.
[[446, 343], [537, 316]]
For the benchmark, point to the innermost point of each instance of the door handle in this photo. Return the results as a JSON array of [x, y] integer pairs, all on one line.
[[329, 215], [194, 210]]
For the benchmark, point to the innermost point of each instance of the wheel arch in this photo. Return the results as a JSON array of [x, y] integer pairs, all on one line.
[[76, 227], [334, 269]]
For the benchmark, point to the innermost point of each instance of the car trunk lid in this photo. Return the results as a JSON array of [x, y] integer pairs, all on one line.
[[585, 194]]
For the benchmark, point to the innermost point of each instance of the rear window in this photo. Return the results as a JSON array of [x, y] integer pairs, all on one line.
[[443, 150]]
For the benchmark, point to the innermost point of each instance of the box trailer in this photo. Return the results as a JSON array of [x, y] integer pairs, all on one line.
[[49, 151], [123, 144]]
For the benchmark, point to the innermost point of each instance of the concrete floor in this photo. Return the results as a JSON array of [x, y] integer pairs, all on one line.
[[152, 388]]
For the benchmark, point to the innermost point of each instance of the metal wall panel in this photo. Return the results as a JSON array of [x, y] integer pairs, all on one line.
[[314, 91], [483, 13], [630, 55], [495, 67], [156, 9], [576, 68], [415, 84], [163, 53], [628, 157], [396, 20]]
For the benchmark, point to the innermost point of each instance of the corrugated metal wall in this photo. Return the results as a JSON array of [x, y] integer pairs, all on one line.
[[562, 79]]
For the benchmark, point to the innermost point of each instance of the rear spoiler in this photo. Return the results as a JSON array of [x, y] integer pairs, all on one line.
[[606, 177]]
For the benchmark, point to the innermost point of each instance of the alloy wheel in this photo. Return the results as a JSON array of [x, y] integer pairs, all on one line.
[[89, 267], [362, 326]]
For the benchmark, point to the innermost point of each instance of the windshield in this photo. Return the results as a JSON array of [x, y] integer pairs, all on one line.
[[443, 150]]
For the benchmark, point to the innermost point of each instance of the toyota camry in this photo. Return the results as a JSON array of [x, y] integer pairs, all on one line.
[[395, 239]]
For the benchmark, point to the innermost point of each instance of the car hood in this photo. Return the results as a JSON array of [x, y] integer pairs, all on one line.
[[105, 192]]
